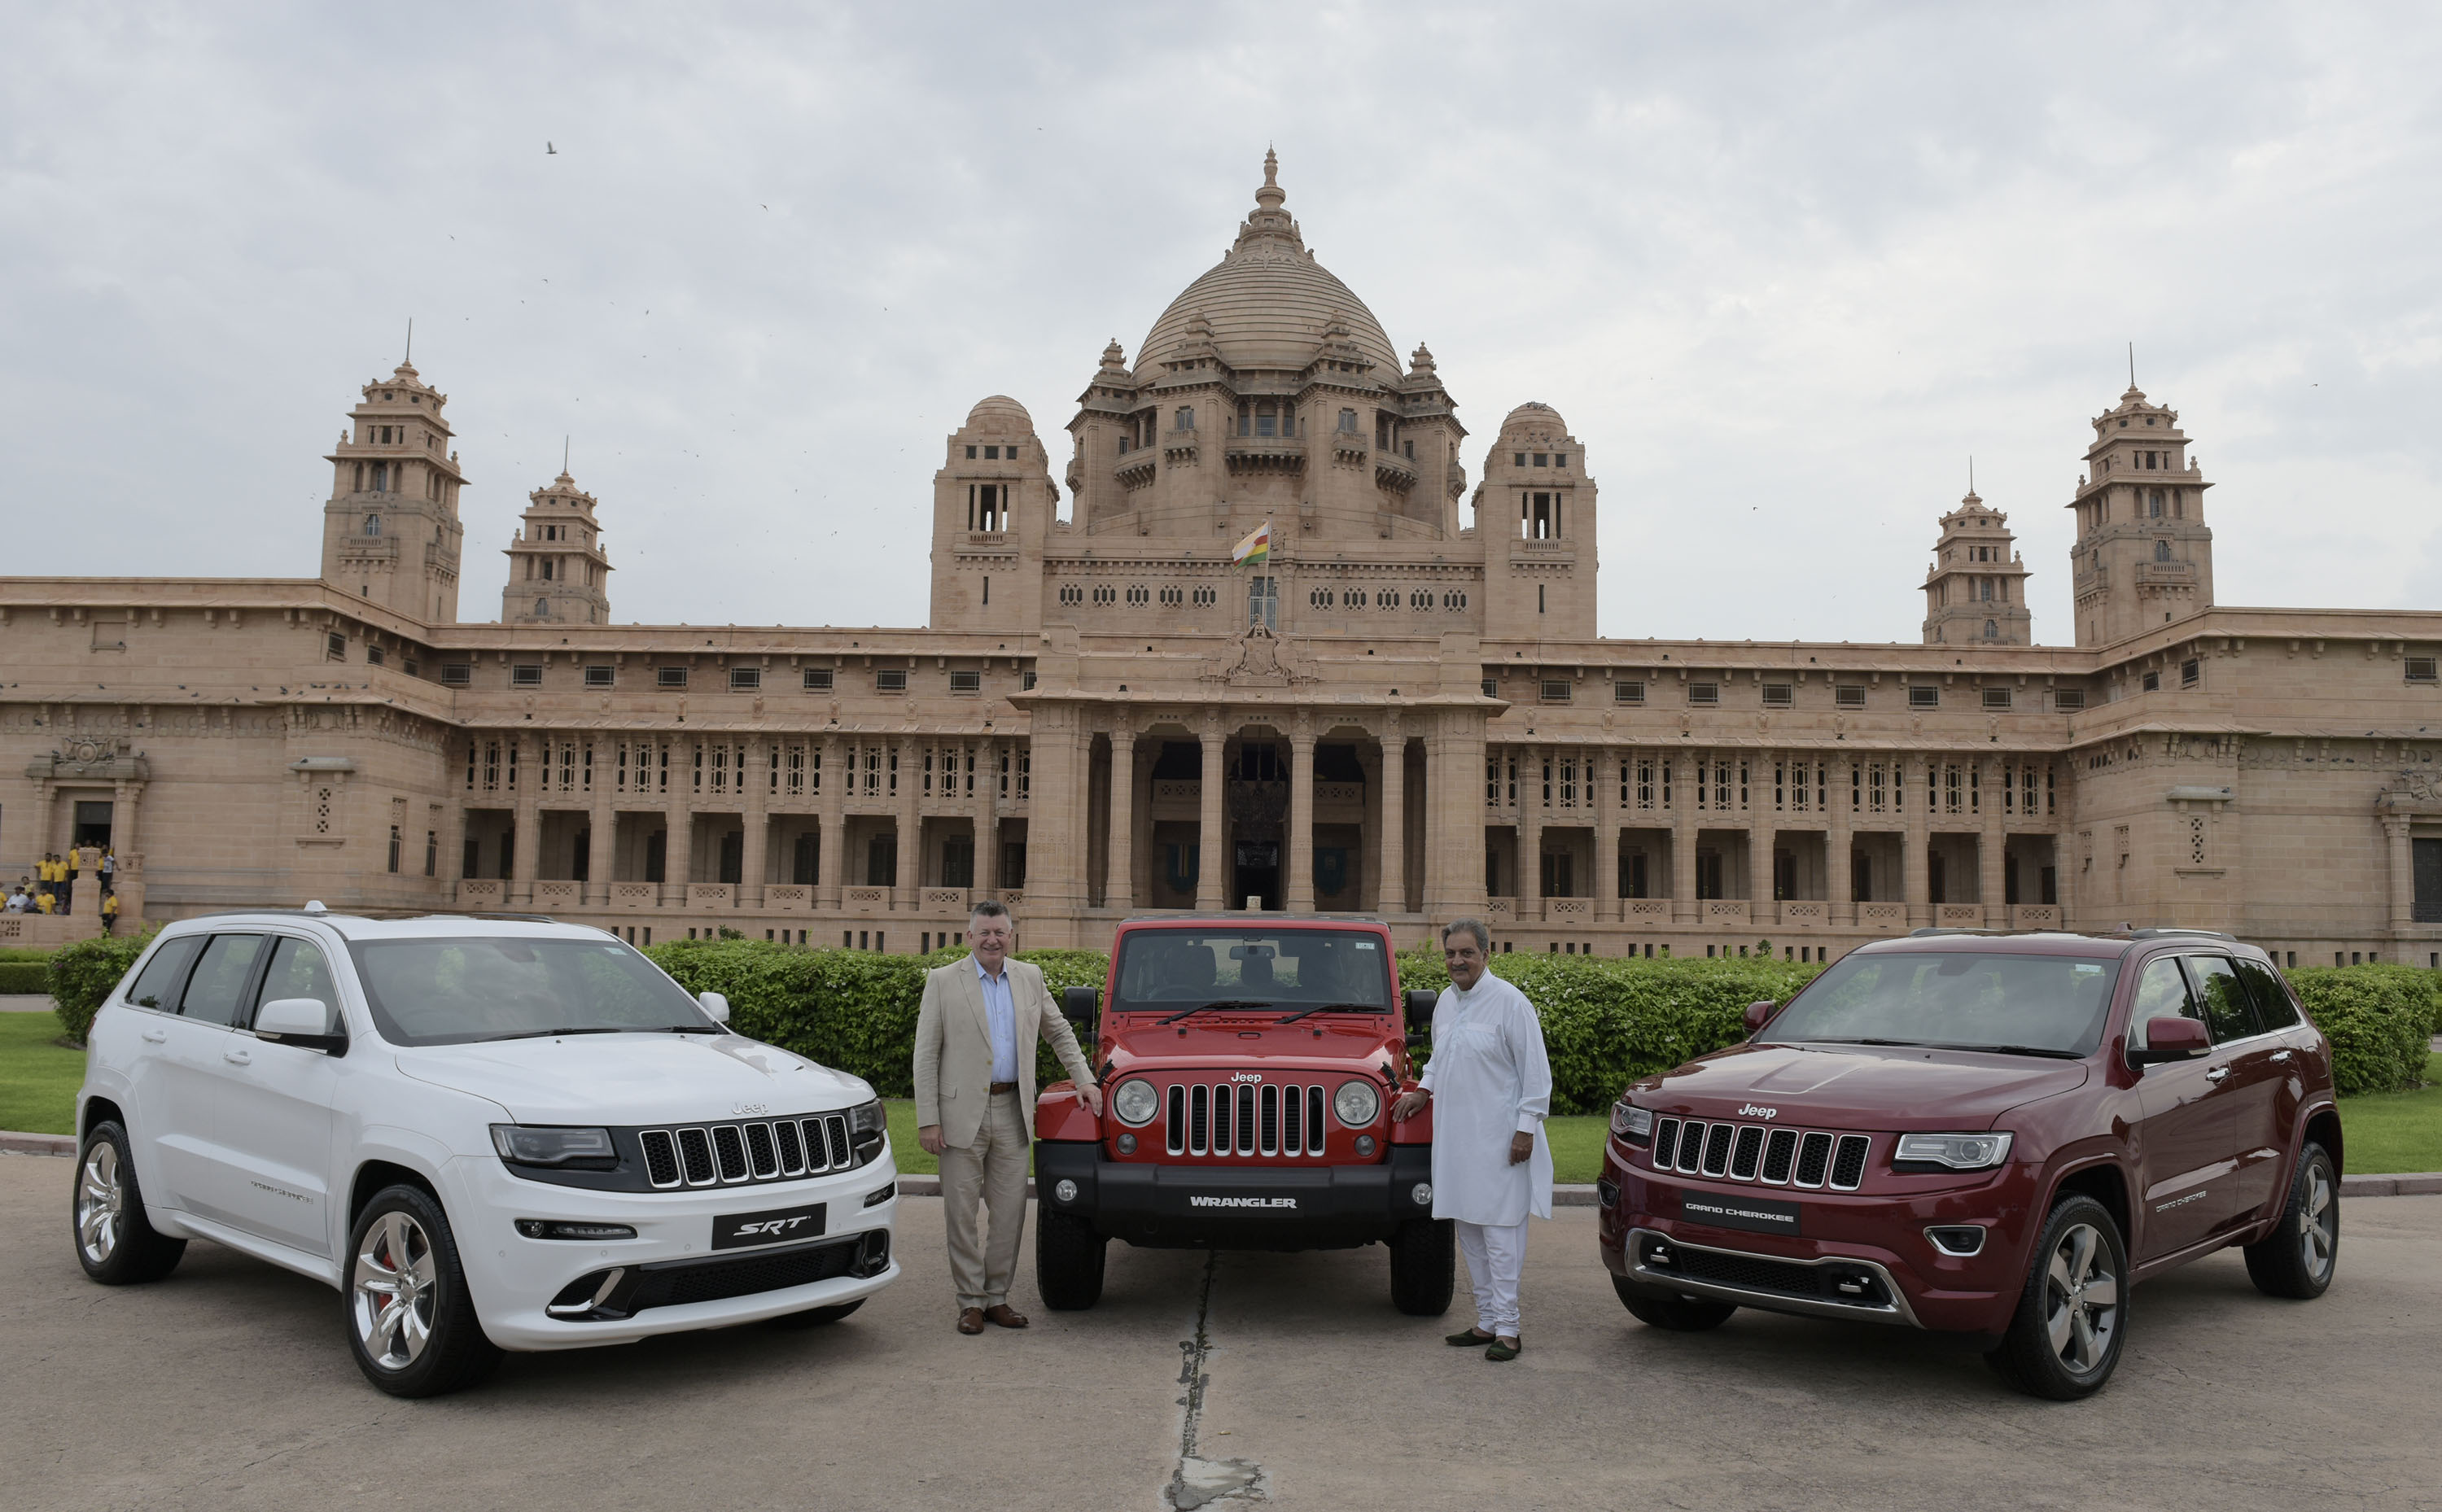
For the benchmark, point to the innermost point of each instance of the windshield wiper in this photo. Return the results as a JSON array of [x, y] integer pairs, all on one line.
[[1233, 1002], [546, 1033], [2018, 1050], [1336, 1007], [1906, 1045], [682, 1028]]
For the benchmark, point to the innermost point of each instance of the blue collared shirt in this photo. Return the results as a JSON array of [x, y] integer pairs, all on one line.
[[1000, 1016]]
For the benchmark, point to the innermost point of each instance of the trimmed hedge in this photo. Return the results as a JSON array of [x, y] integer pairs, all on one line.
[[2380, 1019], [82, 975], [25, 976]]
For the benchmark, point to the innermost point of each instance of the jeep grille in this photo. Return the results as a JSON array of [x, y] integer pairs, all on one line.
[[735, 1154], [1751, 1151], [1238, 1119]]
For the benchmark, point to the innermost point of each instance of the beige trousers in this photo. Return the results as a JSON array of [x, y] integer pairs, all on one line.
[[992, 1171]]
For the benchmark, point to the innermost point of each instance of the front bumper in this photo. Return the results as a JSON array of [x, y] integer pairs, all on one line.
[[514, 1280], [1861, 1255], [1226, 1206]]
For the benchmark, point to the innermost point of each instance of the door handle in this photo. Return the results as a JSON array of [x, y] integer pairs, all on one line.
[[2215, 1075], [237, 1057], [155, 1036], [2279, 1057]]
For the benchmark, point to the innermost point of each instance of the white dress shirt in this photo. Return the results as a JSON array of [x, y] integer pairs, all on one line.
[[1000, 1017]]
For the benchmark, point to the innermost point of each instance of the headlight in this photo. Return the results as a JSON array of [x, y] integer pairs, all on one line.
[[1631, 1123], [1959, 1152], [1136, 1102], [868, 1117], [1356, 1104], [581, 1148]]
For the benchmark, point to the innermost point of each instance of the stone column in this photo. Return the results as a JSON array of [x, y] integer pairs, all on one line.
[[1297, 890], [534, 771], [1118, 867], [1210, 846], [1687, 777], [832, 858], [678, 810], [1838, 888], [2403, 871], [1992, 852], [1916, 799], [988, 818], [1391, 850], [453, 827], [602, 854], [1602, 772], [1530, 832], [756, 818], [127, 873], [907, 890], [1454, 817], [1056, 827], [1764, 910]]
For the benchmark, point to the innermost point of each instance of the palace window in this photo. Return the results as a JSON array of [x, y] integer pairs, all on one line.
[[2162, 551], [1202, 598], [745, 679], [1556, 690], [1267, 420], [890, 680], [1070, 593], [1849, 696], [1172, 597], [2152, 681], [1538, 516], [600, 677], [2422, 669], [542, 609], [1387, 598], [1453, 600], [1992, 630], [818, 680], [671, 677], [1628, 692], [1996, 697], [1348, 422], [372, 524], [967, 682], [1703, 693], [1778, 695], [527, 676], [1322, 597], [1924, 697], [1264, 602], [1104, 594], [373, 656], [988, 507], [1420, 599], [2192, 672], [457, 674], [335, 647], [2069, 700], [1184, 419], [1139, 595]]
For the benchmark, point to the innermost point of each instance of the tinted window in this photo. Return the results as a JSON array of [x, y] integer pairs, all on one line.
[[451, 991], [216, 991], [298, 969], [2273, 1009], [2047, 1004], [1294, 967], [2227, 1011], [2162, 993], [157, 987]]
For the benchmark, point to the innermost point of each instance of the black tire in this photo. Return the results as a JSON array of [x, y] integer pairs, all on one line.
[[1067, 1262], [817, 1316], [114, 1240], [2065, 1334], [404, 1232], [1424, 1267], [2300, 1256], [1673, 1311]]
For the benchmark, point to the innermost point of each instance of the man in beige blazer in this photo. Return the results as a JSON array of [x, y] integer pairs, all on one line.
[[974, 1104]]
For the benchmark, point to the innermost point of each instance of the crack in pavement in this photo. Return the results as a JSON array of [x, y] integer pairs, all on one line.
[[1196, 1482]]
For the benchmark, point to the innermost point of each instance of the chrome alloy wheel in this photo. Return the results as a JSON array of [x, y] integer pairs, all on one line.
[[102, 1195], [2319, 1224], [391, 1291], [2081, 1300]]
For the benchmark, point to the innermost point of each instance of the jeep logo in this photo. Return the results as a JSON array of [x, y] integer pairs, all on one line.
[[1248, 1076], [1751, 1111]]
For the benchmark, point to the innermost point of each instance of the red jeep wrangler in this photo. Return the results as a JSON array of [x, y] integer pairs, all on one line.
[[1249, 1064], [1987, 1135]]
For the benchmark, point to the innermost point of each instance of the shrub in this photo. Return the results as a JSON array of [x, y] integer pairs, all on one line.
[[82, 975], [25, 976], [2380, 1019]]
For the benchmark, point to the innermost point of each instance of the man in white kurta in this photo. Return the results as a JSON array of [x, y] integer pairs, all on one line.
[[1490, 1084]]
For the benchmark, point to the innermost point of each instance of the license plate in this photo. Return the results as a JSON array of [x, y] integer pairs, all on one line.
[[1754, 1215], [775, 1226]]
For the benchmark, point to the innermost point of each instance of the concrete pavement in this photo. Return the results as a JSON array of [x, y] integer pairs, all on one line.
[[229, 1385]]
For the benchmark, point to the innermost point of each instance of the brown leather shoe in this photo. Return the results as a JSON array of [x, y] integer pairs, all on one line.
[[1006, 1316], [971, 1320]]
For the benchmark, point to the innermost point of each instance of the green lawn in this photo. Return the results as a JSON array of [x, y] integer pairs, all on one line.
[[2387, 1132], [38, 1079]]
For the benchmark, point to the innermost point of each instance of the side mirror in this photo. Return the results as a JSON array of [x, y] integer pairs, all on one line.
[[715, 1005], [1758, 1014], [1078, 1004], [1419, 1004], [2170, 1039], [306, 1021]]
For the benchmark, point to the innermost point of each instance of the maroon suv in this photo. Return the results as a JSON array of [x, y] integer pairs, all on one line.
[[1986, 1134]]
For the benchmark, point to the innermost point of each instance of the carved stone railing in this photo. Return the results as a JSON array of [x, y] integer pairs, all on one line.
[[635, 895], [1642, 908], [789, 897], [1580, 909], [867, 900], [1725, 910], [711, 895], [555, 897], [1011, 899], [1338, 794], [1882, 916], [1958, 915], [1804, 914], [2034, 915], [488, 893], [1171, 790], [945, 898], [1501, 909], [1264, 455]]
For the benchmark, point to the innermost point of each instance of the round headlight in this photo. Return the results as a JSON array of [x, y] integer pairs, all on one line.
[[1356, 1104], [1136, 1102]]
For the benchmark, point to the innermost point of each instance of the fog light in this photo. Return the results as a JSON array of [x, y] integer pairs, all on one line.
[[584, 1232], [1365, 1144], [881, 1194], [1066, 1189], [1423, 1193], [1608, 1191], [1127, 1144], [1960, 1240]]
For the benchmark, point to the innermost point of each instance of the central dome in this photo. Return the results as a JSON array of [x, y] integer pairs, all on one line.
[[1268, 304]]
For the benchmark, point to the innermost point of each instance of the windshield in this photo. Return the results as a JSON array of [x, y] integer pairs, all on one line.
[[1292, 968], [2039, 1004], [455, 991]]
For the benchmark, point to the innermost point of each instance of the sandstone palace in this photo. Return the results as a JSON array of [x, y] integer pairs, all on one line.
[[1406, 711]]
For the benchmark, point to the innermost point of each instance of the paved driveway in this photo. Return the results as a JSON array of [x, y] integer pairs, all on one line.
[[228, 1386]]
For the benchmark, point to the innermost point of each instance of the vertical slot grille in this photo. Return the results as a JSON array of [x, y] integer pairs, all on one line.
[[792, 1148], [1271, 1142], [1779, 1153], [1314, 1120], [1691, 1147], [762, 1157], [1814, 1159], [1745, 1154], [1848, 1166], [1292, 1120], [695, 1153], [1200, 1129], [841, 1156], [1666, 1143], [1246, 1120], [730, 1147], [1175, 1130], [660, 1158], [1221, 1105], [1717, 1149]]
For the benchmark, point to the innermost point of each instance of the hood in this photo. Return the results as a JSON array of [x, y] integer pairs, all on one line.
[[1341, 1043], [634, 1079], [1859, 1087]]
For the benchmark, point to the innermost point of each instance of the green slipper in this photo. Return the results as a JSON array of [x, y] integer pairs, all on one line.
[[1499, 1350], [1467, 1340]]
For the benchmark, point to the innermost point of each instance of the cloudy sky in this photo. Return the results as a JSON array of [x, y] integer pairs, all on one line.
[[1783, 268]]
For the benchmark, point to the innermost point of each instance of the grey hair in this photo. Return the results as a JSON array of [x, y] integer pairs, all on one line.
[[987, 908], [1469, 926]]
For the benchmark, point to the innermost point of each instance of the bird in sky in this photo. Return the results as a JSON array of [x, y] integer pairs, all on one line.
[[549, 151]]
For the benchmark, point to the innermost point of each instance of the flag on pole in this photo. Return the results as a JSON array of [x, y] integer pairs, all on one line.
[[1256, 549]]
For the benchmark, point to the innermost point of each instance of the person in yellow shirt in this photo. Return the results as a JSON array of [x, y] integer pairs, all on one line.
[[109, 913], [44, 903]]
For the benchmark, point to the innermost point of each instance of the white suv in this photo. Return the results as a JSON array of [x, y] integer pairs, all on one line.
[[489, 1133]]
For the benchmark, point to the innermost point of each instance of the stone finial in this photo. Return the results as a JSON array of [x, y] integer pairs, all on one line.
[[1420, 361], [1272, 195]]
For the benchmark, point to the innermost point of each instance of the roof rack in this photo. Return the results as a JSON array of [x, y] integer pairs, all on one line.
[[2161, 931], [1952, 929]]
